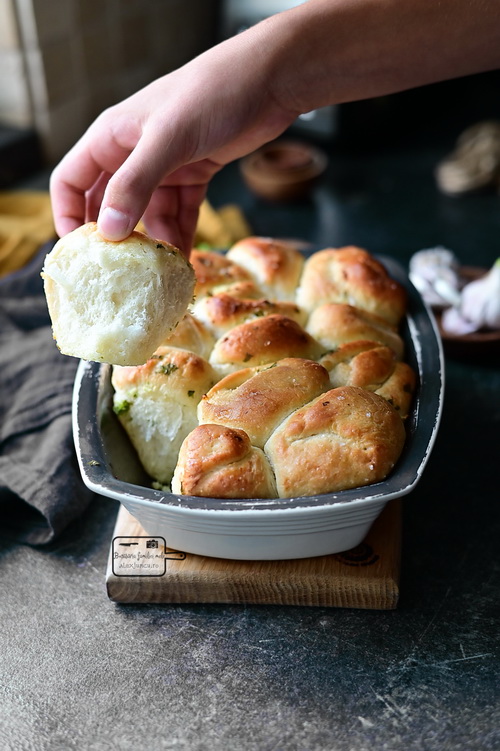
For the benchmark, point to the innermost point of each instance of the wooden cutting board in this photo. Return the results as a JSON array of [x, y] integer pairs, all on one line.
[[365, 577]]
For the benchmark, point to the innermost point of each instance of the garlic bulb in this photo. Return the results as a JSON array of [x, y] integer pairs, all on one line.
[[480, 300], [434, 273]]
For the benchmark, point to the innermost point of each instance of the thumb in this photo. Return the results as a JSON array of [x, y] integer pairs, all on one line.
[[129, 190]]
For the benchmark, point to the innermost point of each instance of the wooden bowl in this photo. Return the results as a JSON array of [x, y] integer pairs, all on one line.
[[283, 170]]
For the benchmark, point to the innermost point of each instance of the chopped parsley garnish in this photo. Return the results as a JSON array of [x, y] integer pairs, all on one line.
[[167, 369], [121, 408]]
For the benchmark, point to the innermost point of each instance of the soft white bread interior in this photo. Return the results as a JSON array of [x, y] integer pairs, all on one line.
[[221, 462], [345, 438], [115, 302], [157, 402]]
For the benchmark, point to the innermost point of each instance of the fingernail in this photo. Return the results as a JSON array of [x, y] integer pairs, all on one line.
[[114, 224]]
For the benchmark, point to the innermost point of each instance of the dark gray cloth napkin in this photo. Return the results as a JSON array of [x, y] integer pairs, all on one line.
[[41, 490]]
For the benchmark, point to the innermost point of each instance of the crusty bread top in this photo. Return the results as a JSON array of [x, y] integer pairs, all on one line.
[[191, 334], [223, 311], [263, 340], [351, 275], [214, 270], [258, 399], [373, 367], [345, 438], [220, 462], [335, 324], [175, 373], [275, 265]]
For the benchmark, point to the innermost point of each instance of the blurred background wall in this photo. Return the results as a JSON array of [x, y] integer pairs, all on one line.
[[63, 61]]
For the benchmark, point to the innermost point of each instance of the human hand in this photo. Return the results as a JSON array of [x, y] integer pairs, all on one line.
[[152, 155]]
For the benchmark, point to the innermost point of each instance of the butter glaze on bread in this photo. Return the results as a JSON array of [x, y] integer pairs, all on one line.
[[274, 265], [257, 400], [114, 302], [345, 438], [221, 462], [351, 275], [261, 341], [191, 334], [335, 324], [214, 270], [223, 311], [375, 368]]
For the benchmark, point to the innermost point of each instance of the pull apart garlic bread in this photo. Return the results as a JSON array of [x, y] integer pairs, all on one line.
[[286, 377], [115, 302]]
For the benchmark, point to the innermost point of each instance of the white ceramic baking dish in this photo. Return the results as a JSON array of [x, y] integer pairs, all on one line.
[[257, 529]]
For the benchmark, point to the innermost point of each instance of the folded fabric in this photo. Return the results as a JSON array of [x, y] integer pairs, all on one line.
[[41, 490]]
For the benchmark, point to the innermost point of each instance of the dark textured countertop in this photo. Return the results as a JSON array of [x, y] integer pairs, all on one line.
[[79, 672]]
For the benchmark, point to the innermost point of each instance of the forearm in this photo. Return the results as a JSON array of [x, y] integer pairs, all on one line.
[[333, 51]]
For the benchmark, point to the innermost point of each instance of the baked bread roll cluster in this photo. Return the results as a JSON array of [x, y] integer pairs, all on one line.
[[287, 377]]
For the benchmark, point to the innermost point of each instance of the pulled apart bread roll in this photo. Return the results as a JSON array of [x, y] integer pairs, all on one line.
[[274, 265], [351, 275], [335, 324], [156, 403], [345, 438], [114, 302], [220, 462]]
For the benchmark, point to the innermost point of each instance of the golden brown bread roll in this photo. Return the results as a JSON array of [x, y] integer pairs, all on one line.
[[262, 341], [241, 290], [274, 265], [220, 462], [157, 402], [223, 311], [258, 399], [375, 368], [351, 275], [213, 270], [334, 324], [191, 334], [114, 302], [345, 438]]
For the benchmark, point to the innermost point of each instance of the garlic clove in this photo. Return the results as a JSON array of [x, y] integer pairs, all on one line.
[[480, 299], [434, 272], [453, 322]]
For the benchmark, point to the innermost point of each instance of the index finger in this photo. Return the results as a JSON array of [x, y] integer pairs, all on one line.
[[69, 182]]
